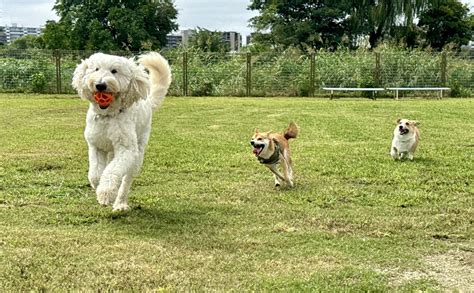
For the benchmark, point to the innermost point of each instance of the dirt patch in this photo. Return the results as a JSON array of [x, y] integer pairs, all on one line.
[[453, 270]]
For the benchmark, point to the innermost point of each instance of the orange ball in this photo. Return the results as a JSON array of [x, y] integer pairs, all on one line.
[[103, 99]]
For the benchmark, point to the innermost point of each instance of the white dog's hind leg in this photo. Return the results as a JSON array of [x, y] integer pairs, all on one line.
[[121, 202], [97, 163], [410, 156]]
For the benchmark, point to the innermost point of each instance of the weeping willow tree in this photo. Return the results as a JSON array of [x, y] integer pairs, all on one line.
[[376, 18]]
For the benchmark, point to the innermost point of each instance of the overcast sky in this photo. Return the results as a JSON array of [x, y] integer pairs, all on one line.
[[222, 15], [227, 15]]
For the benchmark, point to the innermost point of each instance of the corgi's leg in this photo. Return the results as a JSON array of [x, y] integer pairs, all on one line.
[[403, 155], [394, 153]]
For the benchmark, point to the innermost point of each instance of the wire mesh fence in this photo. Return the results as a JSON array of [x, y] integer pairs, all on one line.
[[287, 73]]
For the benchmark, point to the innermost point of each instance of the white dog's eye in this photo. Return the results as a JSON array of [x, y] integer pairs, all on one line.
[[113, 71], [97, 69]]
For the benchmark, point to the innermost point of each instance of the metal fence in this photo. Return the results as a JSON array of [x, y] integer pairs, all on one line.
[[267, 74]]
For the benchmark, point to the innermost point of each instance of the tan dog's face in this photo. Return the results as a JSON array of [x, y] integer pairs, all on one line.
[[405, 126], [260, 142]]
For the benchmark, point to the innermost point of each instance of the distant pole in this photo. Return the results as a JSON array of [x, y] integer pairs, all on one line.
[[57, 57], [249, 75], [377, 71], [185, 74], [444, 69], [312, 74]]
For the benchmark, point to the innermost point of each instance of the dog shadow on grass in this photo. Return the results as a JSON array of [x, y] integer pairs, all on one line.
[[164, 221]]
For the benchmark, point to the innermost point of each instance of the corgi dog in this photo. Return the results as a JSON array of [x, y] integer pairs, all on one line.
[[272, 149], [406, 137]]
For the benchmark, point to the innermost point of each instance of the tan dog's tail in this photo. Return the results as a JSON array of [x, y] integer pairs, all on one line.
[[160, 76], [292, 131]]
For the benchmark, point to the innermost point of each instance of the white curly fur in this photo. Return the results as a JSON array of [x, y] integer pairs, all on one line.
[[117, 136]]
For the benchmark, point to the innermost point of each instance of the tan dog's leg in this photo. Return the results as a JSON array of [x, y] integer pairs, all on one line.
[[277, 180], [277, 173], [284, 176], [286, 172]]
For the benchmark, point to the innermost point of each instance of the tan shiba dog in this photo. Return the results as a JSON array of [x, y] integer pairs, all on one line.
[[272, 149], [405, 139]]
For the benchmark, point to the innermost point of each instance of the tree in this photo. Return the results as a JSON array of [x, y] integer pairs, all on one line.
[[446, 22], [28, 42], [114, 24], [378, 18], [313, 23], [208, 41], [55, 36]]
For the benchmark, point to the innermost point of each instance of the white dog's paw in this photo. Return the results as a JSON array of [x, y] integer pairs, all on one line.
[[120, 207], [106, 196]]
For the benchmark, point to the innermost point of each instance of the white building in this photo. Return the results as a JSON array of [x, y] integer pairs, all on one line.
[[13, 32]]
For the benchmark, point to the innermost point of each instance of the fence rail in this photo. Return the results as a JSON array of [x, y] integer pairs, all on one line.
[[266, 74]]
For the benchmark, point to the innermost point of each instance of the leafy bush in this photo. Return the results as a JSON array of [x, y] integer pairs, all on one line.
[[38, 81]]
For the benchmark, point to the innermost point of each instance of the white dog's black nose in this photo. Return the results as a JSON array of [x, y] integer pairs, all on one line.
[[101, 87], [400, 127], [252, 143]]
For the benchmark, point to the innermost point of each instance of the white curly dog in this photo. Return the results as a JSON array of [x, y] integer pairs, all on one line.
[[122, 98]]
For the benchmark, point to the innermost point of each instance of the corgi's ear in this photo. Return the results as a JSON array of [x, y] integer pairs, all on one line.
[[398, 120]]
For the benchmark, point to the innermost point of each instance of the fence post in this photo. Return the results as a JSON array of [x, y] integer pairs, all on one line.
[[444, 68], [312, 74], [185, 73], [249, 75], [377, 70], [57, 57]]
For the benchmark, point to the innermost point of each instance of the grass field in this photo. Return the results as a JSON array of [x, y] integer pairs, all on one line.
[[205, 215]]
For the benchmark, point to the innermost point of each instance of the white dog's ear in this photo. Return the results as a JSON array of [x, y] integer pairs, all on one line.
[[416, 123], [139, 85], [78, 77], [398, 120]]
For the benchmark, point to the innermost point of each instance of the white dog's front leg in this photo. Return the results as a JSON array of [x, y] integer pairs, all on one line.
[[97, 163], [123, 164], [121, 202]]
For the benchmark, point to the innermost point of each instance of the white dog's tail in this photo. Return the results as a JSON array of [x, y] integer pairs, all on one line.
[[160, 76]]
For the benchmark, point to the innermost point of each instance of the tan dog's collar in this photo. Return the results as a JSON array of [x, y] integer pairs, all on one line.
[[274, 158]]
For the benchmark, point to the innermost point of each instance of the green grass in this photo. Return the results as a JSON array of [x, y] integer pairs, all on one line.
[[205, 215]]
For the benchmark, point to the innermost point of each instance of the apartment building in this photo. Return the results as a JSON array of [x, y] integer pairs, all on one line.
[[233, 39], [10, 33]]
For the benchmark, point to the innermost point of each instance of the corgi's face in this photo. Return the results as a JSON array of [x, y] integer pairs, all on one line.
[[405, 126], [259, 142]]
